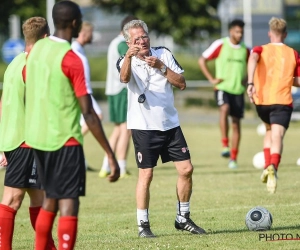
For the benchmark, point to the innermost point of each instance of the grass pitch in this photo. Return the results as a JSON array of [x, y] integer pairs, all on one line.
[[220, 200]]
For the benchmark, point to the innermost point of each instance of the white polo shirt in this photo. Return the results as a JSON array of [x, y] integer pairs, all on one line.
[[158, 111]]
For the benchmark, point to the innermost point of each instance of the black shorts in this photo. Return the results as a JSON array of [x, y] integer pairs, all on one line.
[[21, 170], [62, 172], [236, 102], [275, 114], [150, 144]]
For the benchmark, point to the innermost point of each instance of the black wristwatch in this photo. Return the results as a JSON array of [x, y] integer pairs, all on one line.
[[250, 84]]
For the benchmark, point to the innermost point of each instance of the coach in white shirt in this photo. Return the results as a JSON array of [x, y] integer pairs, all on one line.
[[150, 74]]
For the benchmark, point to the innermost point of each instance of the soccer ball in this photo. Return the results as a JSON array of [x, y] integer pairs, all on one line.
[[261, 129], [258, 160], [258, 219]]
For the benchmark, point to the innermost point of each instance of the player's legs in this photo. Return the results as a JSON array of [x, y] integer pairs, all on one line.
[[175, 149], [267, 145], [36, 201], [11, 202], [223, 104], [224, 128], [119, 140], [143, 188], [122, 148], [184, 181], [13, 197], [143, 200], [62, 193], [235, 141], [147, 145], [236, 112]]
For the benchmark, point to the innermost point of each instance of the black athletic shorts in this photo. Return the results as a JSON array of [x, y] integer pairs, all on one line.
[[236, 102], [275, 114], [150, 144], [62, 172], [21, 170]]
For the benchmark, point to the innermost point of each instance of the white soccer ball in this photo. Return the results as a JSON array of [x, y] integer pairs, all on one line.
[[298, 162], [258, 160], [259, 219], [261, 129]]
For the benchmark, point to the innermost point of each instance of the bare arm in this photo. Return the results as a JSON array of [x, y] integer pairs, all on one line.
[[252, 63], [177, 80], [95, 126], [125, 72], [203, 66]]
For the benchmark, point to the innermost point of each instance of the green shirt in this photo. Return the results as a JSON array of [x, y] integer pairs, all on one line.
[[231, 66], [12, 133], [122, 48], [52, 109]]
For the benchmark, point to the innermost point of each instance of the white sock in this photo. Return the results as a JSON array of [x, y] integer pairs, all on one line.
[[141, 215], [182, 209], [105, 165], [122, 165]]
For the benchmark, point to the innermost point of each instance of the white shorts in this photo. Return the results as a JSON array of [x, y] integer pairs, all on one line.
[[96, 108]]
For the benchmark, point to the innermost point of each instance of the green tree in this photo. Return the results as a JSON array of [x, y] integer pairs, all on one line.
[[24, 8], [182, 19]]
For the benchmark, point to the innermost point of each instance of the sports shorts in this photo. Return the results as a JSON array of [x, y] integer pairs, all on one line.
[[236, 102], [118, 107], [96, 107], [21, 170], [275, 114], [150, 144], [62, 172]]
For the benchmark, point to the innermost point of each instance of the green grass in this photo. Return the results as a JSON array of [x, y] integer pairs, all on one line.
[[221, 198]]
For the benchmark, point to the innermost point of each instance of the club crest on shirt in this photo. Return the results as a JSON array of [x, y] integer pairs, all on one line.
[[140, 157], [185, 149]]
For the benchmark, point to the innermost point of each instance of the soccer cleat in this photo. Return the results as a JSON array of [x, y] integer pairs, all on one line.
[[189, 225], [103, 173], [232, 164], [272, 179], [225, 152], [146, 231], [264, 176], [125, 175]]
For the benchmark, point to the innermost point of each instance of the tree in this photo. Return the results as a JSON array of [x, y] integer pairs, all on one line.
[[182, 19], [23, 8]]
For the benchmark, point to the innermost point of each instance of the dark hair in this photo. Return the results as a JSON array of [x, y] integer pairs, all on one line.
[[236, 22], [64, 12], [127, 19]]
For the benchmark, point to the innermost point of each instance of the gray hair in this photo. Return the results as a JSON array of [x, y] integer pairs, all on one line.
[[133, 24]]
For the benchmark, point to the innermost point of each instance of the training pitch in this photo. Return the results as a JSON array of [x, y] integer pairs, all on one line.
[[220, 200]]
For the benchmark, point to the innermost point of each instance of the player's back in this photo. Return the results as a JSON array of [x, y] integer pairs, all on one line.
[[273, 77], [13, 108]]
